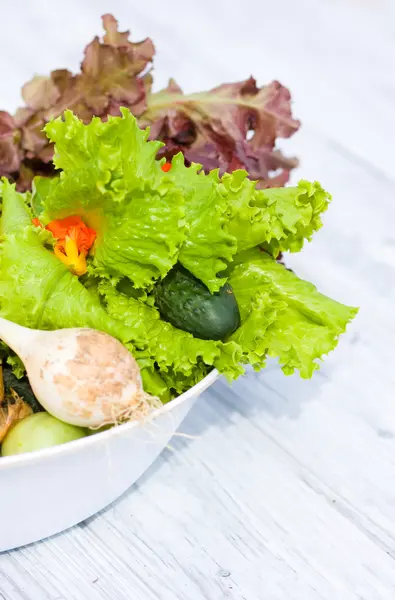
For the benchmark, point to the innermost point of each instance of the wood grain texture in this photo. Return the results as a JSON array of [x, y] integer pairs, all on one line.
[[286, 490]]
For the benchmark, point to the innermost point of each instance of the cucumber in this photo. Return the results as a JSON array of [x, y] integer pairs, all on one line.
[[186, 303]]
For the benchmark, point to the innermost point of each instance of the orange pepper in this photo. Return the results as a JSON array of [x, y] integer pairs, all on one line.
[[166, 167]]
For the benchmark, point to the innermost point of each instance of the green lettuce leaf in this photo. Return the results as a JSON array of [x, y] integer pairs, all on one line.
[[36, 289], [305, 325], [278, 219], [147, 220], [110, 177], [256, 317], [41, 188], [169, 348], [8, 356], [179, 383], [228, 215], [167, 383], [15, 213], [153, 383], [208, 247]]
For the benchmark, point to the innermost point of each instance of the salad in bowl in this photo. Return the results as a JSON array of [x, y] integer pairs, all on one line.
[[178, 264], [159, 221]]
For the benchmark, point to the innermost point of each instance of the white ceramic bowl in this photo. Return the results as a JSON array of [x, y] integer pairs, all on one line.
[[66, 484]]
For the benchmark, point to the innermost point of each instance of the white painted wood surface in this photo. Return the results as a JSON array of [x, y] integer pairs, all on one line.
[[287, 490]]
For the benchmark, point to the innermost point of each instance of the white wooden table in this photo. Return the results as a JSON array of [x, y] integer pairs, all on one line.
[[287, 490]]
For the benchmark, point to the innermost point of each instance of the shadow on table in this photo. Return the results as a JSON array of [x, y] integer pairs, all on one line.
[[266, 392]]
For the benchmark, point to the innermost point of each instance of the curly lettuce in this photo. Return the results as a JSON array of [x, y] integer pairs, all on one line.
[[36, 289], [208, 247], [278, 219], [159, 342], [15, 214], [298, 324], [148, 219], [228, 214], [109, 176]]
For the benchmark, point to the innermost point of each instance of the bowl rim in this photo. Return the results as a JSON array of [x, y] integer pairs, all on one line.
[[98, 438]]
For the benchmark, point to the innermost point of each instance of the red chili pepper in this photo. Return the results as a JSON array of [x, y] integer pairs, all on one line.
[[166, 167]]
